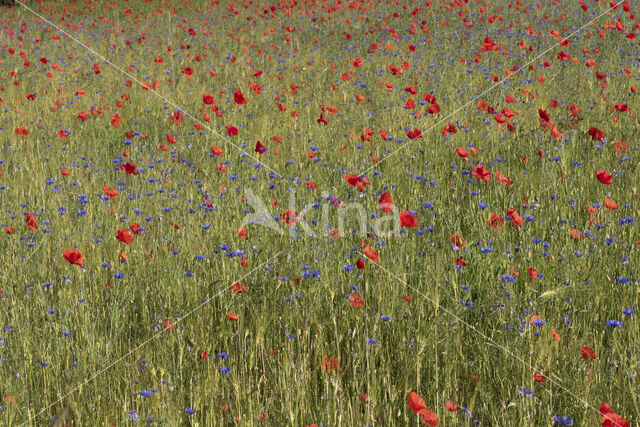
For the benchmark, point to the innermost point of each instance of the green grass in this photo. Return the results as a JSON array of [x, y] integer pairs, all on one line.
[[103, 352]]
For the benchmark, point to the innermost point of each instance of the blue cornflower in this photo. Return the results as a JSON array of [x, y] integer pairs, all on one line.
[[225, 370], [133, 414], [614, 323], [189, 411], [563, 420], [628, 311], [385, 318], [146, 393], [371, 341]]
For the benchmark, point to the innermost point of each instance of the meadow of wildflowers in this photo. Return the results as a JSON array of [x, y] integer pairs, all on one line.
[[319, 212]]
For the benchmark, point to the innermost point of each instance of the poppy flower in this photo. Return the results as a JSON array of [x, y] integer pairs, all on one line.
[[481, 172], [207, 99], [414, 134], [239, 98], [610, 418], [135, 228], [604, 177], [239, 288], [408, 220], [360, 264], [457, 240], [111, 193], [64, 172], [260, 148], [242, 233], [372, 254], [462, 152], [621, 146], [504, 180], [232, 130], [533, 273], [216, 151], [356, 181], [129, 168], [451, 407], [289, 216], [555, 335], [610, 204], [596, 134], [417, 405], [124, 236], [73, 256], [167, 324], [355, 301], [329, 363], [539, 377], [30, 219], [386, 202], [495, 221], [232, 317], [587, 353]]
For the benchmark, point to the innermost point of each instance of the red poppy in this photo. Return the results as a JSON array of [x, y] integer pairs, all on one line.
[[610, 204], [462, 152], [355, 301], [207, 99], [481, 172], [555, 335], [451, 407], [604, 177], [533, 273], [408, 220], [504, 180], [329, 363], [30, 219], [457, 240], [239, 288], [587, 353], [135, 228], [386, 202], [289, 216], [515, 218], [360, 264], [414, 134], [610, 418], [417, 405], [356, 181], [167, 324], [232, 317], [372, 254], [232, 130], [129, 168], [621, 146], [239, 98], [260, 148], [596, 134], [111, 193], [621, 107], [73, 256], [124, 236], [64, 172], [539, 377], [495, 221], [216, 151]]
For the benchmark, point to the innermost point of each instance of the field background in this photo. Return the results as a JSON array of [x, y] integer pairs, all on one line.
[[118, 342]]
